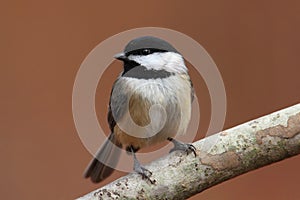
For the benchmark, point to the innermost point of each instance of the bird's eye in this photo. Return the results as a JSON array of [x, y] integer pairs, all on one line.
[[145, 52]]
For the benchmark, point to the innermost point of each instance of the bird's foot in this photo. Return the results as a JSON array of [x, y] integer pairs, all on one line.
[[137, 167], [188, 148]]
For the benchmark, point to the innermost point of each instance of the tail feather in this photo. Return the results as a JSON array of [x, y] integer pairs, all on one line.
[[108, 154]]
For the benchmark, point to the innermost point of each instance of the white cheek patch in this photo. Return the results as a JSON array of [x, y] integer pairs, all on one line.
[[152, 61], [168, 61]]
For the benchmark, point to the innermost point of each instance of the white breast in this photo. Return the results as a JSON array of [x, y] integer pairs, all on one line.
[[170, 99]]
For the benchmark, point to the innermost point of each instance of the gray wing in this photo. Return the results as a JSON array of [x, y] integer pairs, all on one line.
[[118, 103], [192, 90]]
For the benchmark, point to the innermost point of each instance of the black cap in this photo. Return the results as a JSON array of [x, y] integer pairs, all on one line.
[[149, 42]]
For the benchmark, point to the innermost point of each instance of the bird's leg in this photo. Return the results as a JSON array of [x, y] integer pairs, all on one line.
[[188, 148], [137, 167]]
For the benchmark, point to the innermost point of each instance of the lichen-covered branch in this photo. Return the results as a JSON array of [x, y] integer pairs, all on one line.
[[219, 157]]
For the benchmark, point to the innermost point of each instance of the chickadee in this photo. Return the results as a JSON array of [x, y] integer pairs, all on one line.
[[154, 74]]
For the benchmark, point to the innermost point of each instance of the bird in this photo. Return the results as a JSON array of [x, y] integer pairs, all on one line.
[[154, 73]]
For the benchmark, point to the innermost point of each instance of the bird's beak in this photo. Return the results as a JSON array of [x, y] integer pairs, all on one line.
[[121, 56]]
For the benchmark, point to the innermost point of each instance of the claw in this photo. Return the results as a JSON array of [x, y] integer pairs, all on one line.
[[188, 148], [137, 167], [143, 171]]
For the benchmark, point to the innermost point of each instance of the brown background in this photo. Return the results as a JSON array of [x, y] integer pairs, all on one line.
[[255, 45]]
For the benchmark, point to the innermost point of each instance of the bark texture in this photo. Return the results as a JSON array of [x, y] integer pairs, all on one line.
[[220, 157]]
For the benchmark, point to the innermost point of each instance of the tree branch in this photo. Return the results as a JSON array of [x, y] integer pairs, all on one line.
[[219, 157]]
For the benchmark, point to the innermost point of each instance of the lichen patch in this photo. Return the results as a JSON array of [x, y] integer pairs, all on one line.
[[226, 160], [289, 131]]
